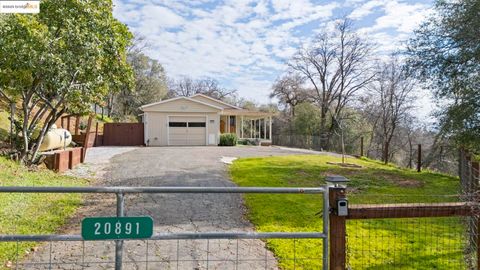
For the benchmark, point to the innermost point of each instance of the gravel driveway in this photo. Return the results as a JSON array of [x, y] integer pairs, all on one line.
[[167, 166]]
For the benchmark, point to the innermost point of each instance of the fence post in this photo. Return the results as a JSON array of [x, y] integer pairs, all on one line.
[[77, 124], [86, 142], [68, 123], [361, 146], [119, 243], [419, 158], [95, 142], [337, 231], [475, 175]]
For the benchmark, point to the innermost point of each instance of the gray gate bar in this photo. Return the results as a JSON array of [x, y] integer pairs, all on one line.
[[122, 191], [119, 243], [171, 236], [13, 189]]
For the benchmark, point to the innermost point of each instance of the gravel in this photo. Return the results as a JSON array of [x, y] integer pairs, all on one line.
[[165, 166]]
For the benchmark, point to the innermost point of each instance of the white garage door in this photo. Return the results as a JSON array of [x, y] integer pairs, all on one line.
[[187, 130]]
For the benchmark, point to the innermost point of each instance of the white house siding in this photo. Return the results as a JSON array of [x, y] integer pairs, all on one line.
[[156, 126]]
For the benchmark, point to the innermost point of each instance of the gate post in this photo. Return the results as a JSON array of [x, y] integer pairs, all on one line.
[[119, 243], [337, 230], [419, 158], [361, 146]]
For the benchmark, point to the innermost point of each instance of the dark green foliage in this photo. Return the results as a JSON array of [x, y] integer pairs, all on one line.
[[445, 54], [242, 142], [70, 55], [150, 85], [228, 139], [247, 142]]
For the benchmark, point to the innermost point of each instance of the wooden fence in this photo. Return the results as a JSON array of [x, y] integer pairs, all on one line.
[[123, 134], [338, 228]]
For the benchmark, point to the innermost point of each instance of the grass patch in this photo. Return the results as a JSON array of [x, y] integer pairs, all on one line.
[[104, 119], [32, 213], [370, 242], [4, 125]]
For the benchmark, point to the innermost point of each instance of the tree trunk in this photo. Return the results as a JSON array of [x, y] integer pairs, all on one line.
[[26, 114], [53, 118], [386, 152], [324, 137], [410, 153]]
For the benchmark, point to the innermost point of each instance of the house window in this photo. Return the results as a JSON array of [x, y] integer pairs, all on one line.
[[196, 124], [232, 121], [177, 124]]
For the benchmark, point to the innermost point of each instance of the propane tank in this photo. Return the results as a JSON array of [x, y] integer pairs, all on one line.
[[56, 138]]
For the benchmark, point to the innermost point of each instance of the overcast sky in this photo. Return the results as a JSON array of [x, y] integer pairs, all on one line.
[[244, 44]]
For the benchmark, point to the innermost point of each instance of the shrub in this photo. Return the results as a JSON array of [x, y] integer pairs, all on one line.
[[228, 139], [247, 142], [242, 142]]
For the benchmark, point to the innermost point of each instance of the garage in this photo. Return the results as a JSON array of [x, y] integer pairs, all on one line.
[[187, 130]]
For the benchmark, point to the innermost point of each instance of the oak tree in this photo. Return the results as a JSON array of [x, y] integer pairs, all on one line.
[[61, 60]]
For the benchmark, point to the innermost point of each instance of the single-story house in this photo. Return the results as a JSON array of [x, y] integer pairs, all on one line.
[[199, 120]]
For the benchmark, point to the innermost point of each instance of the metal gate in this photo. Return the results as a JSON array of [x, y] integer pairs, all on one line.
[[122, 192]]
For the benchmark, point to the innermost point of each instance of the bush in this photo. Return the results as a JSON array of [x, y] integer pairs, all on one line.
[[242, 142], [247, 142], [228, 139]]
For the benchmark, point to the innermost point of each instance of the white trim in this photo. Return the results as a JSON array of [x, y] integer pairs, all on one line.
[[265, 128], [270, 129], [206, 126], [177, 98], [206, 130], [145, 129], [241, 126], [217, 100], [228, 124]]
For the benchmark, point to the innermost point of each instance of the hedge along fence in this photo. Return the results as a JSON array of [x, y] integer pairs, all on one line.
[[228, 139]]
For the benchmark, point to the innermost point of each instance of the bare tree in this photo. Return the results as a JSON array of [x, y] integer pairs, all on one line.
[[392, 97], [337, 67], [289, 91], [187, 86]]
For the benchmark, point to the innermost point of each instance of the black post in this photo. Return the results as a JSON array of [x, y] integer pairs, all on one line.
[[419, 158], [361, 146]]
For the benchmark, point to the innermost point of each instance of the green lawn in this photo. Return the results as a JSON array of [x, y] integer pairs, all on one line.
[[428, 243], [32, 213]]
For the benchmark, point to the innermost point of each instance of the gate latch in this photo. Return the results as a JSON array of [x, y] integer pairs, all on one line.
[[342, 207]]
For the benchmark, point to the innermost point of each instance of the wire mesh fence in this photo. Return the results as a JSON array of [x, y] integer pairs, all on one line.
[[469, 172], [219, 254], [351, 146], [422, 242]]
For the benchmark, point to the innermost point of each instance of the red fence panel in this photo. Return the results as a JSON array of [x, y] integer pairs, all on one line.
[[123, 134]]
